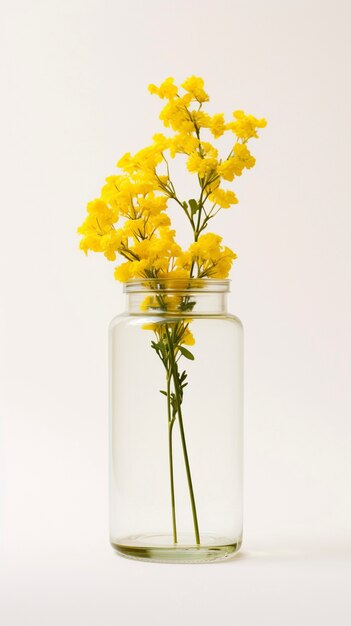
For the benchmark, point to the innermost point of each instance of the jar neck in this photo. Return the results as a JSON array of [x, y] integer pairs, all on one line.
[[177, 296]]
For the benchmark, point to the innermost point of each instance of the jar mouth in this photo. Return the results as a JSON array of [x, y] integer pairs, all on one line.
[[209, 285]]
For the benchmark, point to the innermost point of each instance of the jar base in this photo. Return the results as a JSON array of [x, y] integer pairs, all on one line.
[[162, 549]]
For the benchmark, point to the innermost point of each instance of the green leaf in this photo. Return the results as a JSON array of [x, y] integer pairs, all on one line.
[[186, 353], [194, 206], [164, 392], [183, 376], [157, 346], [185, 305]]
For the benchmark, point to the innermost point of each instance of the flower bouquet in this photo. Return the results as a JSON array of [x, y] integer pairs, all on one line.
[[171, 290]]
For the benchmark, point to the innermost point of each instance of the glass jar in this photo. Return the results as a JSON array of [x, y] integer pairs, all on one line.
[[176, 386]]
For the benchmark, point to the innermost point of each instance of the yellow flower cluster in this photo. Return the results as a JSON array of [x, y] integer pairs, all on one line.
[[245, 126], [180, 115], [211, 259], [129, 220], [185, 336]]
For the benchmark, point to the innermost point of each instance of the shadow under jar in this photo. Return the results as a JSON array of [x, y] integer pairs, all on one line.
[[176, 370]]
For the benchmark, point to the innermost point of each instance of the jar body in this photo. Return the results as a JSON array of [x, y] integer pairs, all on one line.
[[176, 469]]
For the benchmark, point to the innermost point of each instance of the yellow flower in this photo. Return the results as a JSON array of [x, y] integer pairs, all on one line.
[[212, 260], [243, 154], [209, 149], [148, 157], [117, 193], [201, 119], [152, 204], [217, 125], [235, 165], [167, 89], [130, 269], [96, 228], [224, 198], [90, 242], [194, 85], [111, 243], [187, 338], [150, 302], [178, 272], [177, 116], [245, 126], [100, 216], [184, 263], [230, 168], [155, 222], [182, 143], [137, 196], [145, 181], [97, 239], [202, 166], [126, 163], [160, 142], [207, 246], [135, 227], [223, 264], [151, 326]]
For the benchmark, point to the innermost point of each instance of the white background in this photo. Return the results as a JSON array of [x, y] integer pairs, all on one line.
[[74, 99]]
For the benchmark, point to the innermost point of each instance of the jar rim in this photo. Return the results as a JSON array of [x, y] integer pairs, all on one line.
[[213, 285]]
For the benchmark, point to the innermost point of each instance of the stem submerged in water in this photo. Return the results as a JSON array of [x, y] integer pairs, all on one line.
[[170, 453], [175, 376]]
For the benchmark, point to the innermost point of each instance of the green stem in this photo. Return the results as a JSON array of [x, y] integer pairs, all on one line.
[[170, 453], [182, 435]]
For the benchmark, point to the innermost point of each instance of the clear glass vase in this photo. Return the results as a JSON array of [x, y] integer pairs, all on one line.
[[176, 370]]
